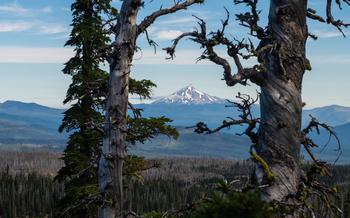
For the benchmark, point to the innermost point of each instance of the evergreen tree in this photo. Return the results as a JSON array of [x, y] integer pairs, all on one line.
[[86, 99], [85, 118]]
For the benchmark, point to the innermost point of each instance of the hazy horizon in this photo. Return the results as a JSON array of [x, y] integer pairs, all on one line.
[[136, 100]]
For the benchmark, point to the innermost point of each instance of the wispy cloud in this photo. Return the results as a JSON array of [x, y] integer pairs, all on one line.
[[50, 29], [15, 26], [183, 57], [24, 18], [37, 27], [34, 55], [183, 20], [15, 54], [326, 34], [13, 8], [12, 54], [167, 34], [19, 10]]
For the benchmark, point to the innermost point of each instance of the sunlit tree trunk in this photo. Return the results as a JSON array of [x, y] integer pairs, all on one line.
[[114, 142]]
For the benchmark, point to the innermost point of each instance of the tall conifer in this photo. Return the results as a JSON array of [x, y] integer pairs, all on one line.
[[81, 120], [84, 119]]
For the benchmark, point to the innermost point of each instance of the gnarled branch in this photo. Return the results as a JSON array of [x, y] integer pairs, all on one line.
[[250, 19], [246, 118], [161, 12], [330, 19], [312, 14], [339, 24], [213, 39]]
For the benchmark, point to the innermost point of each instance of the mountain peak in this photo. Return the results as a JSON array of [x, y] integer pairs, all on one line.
[[189, 95], [190, 87]]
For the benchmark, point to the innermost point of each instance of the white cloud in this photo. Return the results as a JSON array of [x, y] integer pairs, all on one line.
[[168, 34], [13, 8], [46, 9], [183, 57], [15, 26], [183, 20], [34, 55], [36, 26], [325, 34], [49, 29], [62, 55], [11, 54], [19, 10]]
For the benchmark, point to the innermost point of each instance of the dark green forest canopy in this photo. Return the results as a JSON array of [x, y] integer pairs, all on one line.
[[177, 183]]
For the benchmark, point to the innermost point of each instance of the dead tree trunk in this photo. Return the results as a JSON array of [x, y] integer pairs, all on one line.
[[281, 103], [282, 63], [114, 142], [281, 54]]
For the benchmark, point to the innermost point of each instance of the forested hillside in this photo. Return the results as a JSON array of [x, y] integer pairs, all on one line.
[[173, 185]]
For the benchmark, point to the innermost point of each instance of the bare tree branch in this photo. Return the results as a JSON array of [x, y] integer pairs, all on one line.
[[308, 143], [246, 118], [315, 124], [330, 19], [312, 14], [213, 39], [177, 6], [251, 19]]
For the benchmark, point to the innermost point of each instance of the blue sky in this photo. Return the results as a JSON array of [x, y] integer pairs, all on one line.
[[33, 32]]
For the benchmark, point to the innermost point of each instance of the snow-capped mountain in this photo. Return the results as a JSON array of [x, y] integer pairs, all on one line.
[[190, 95]]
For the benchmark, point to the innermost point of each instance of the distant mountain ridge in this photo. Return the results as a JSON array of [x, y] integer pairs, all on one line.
[[334, 115], [31, 123]]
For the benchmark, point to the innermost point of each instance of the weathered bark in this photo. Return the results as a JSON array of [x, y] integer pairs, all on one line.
[[282, 59], [114, 143], [281, 103]]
